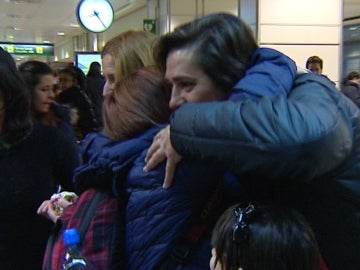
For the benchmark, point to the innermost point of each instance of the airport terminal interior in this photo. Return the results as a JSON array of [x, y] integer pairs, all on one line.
[[334, 27], [123, 149]]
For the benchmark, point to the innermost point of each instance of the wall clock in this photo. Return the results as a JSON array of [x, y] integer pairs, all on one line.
[[95, 15]]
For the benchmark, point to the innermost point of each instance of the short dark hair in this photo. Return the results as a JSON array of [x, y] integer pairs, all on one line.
[[141, 99], [276, 238], [352, 75], [314, 60], [16, 101], [222, 46]]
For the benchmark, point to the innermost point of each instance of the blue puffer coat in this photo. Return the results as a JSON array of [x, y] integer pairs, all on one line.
[[156, 218], [301, 149]]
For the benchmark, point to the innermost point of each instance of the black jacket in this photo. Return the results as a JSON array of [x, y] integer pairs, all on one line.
[[352, 91], [83, 117]]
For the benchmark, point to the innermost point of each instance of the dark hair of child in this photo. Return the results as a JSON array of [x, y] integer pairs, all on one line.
[[264, 238]]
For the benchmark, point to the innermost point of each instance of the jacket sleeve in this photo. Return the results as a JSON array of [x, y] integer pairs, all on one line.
[[271, 73], [303, 136]]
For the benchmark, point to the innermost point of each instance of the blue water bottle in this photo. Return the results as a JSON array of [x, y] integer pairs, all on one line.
[[73, 259]]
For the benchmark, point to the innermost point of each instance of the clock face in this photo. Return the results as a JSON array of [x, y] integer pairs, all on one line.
[[95, 15]]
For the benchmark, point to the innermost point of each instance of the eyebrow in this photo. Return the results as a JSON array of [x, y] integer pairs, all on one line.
[[180, 78]]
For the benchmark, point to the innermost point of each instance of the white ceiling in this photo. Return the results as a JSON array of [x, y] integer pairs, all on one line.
[[36, 21]]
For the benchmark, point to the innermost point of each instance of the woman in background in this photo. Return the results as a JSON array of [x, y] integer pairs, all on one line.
[[94, 85], [34, 159], [39, 79], [83, 118]]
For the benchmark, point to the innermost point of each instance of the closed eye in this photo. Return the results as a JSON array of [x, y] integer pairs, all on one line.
[[187, 86]]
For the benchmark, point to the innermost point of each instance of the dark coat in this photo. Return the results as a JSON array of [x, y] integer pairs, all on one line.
[[83, 114], [352, 91], [302, 150], [30, 171], [94, 90]]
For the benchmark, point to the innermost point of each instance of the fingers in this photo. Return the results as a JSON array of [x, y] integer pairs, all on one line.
[[155, 160], [46, 209], [173, 159], [43, 207], [152, 150], [157, 151], [169, 174]]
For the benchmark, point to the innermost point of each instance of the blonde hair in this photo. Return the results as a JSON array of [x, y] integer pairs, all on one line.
[[130, 50]]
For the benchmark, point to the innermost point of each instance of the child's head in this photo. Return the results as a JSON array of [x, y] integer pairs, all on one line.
[[70, 77], [139, 100], [263, 238]]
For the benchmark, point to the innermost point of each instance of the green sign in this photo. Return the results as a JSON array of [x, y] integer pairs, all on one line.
[[28, 49], [150, 25]]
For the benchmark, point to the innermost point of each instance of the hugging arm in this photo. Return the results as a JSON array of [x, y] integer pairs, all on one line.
[[301, 136]]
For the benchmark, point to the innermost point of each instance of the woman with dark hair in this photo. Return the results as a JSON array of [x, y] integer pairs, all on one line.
[[83, 120], [250, 237], [351, 87], [298, 147], [39, 79], [34, 159], [94, 85]]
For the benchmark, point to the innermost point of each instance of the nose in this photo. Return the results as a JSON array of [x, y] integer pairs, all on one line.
[[176, 100], [51, 94], [107, 89]]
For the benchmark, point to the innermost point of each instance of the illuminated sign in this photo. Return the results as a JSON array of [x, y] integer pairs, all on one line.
[[149, 25], [28, 49]]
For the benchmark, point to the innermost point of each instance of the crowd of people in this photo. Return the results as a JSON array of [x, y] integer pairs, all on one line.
[[224, 155]]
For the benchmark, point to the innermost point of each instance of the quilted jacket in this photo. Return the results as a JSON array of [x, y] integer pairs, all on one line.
[[157, 219], [301, 149]]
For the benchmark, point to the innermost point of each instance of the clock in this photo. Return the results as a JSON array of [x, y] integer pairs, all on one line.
[[95, 15]]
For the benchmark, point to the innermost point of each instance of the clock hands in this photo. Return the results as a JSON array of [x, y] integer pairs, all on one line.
[[96, 13]]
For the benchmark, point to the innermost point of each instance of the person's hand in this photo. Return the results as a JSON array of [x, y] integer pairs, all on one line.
[[160, 150], [54, 207], [47, 210]]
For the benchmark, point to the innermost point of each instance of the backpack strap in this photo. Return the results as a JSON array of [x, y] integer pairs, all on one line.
[[90, 212], [50, 244]]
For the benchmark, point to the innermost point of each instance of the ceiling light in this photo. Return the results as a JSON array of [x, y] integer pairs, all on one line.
[[60, 33]]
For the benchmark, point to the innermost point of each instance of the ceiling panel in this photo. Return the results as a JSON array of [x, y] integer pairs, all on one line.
[[40, 20], [36, 21]]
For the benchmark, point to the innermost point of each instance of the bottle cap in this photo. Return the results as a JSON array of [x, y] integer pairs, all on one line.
[[71, 237]]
